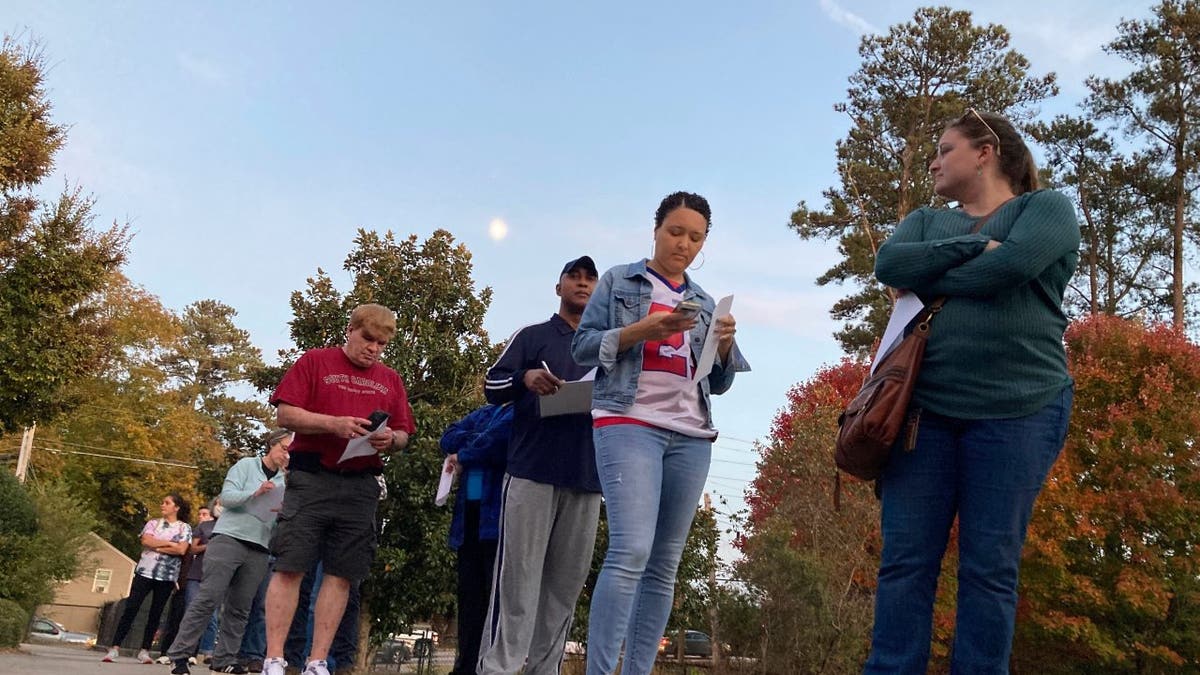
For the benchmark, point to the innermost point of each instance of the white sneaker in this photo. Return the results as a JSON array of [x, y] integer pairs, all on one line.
[[144, 657], [111, 655], [163, 660], [314, 668], [192, 660], [274, 666]]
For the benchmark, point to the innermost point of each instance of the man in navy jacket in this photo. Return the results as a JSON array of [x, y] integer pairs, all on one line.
[[551, 493]]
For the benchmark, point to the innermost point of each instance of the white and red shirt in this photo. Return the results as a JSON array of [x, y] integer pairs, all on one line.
[[666, 395]]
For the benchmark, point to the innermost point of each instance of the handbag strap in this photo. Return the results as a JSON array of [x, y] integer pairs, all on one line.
[[936, 306]]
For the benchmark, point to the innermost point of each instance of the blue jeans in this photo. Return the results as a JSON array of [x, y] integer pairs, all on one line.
[[652, 480], [209, 639], [988, 473]]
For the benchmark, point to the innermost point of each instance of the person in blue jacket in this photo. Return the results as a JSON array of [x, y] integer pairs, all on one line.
[[476, 445]]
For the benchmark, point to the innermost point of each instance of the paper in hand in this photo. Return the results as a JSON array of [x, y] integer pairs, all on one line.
[[266, 506], [361, 446], [444, 484], [709, 355]]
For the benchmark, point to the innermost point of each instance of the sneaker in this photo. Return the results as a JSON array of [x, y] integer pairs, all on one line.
[[144, 656], [163, 660], [111, 655], [191, 660], [316, 668], [181, 667], [231, 668], [274, 666], [254, 665]]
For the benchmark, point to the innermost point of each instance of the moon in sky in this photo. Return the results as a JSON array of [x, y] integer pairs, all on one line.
[[497, 229]]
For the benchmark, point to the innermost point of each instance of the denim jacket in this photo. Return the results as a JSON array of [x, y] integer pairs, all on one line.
[[621, 298]]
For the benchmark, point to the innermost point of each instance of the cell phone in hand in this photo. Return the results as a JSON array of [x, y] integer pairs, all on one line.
[[377, 418], [687, 308]]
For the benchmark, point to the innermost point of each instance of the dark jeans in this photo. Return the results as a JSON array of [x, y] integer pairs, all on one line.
[[179, 600], [475, 561], [160, 591], [299, 637], [986, 473]]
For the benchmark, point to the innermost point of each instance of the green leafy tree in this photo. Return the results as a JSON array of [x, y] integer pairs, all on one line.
[[210, 356], [911, 81], [441, 350], [1125, 259], [51, 262], [1159, 103], [132, 438], [43, 535]]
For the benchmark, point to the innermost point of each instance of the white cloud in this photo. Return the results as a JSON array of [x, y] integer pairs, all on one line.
[[201, 69], [847, 18]]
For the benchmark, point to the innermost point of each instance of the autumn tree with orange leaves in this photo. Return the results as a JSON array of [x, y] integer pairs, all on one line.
[[811, 567], [1111, 577]]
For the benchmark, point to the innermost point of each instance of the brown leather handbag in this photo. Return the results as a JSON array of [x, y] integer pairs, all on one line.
[[873, 421]]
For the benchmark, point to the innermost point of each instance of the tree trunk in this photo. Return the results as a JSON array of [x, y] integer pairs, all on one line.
[[362, 660]]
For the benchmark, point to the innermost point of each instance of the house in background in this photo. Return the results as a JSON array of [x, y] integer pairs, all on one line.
[[105, 577]]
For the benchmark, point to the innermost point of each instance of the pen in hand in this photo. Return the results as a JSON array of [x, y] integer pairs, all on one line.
[[547, 369]]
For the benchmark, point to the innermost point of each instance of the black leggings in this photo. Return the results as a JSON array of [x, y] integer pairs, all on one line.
[[137, 593]]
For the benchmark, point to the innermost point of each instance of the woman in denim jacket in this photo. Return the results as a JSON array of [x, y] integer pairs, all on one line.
[[652, 426]]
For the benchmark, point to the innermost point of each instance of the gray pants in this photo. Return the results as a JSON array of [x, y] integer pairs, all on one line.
[[232, 572], [545, 551]]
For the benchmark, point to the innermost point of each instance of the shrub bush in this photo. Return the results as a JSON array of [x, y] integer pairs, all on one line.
[[14, 621]]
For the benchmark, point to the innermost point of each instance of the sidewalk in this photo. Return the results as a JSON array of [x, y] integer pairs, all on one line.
[[44, 659]]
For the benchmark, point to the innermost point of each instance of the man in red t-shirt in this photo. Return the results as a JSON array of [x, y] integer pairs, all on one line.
[[328, 397]]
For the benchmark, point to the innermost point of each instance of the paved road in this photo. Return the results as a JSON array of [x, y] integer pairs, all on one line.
[[43, 659]]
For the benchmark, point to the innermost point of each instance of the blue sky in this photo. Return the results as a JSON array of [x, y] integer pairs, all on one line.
[[246, 142]]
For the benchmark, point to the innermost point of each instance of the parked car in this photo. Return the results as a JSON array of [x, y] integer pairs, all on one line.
[[393, 651], [695, 643], [402, 647], [52, 631]]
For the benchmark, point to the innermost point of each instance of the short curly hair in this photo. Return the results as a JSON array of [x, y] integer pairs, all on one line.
[[682, 199]]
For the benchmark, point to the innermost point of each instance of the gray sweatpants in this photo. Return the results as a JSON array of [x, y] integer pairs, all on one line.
[[545, 551], [232, 572]]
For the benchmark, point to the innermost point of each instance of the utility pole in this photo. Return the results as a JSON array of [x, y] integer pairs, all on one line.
[[26, 450], [712, 595]]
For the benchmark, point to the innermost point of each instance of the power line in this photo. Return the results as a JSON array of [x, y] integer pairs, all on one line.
[[730, 461], [733, 449], [739, 440], [93, 447], [137, 460]]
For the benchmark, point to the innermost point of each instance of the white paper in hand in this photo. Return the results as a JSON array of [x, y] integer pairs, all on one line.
[[444, 484], [266, 506], [709, 355], [361, 446]]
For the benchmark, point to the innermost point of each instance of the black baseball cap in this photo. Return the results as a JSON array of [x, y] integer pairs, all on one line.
[[582, 262]]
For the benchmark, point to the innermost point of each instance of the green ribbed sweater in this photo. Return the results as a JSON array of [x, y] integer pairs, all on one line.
[[995, 350]]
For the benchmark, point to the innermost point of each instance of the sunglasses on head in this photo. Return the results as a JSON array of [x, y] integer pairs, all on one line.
[[972, 111]]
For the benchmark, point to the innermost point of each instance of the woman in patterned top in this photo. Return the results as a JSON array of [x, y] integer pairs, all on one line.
[[164, 542]]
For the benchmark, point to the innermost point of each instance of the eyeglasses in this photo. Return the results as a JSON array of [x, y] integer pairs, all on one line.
[[972, 111]]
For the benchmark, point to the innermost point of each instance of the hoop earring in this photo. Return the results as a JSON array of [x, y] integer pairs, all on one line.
[[702, 261]]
